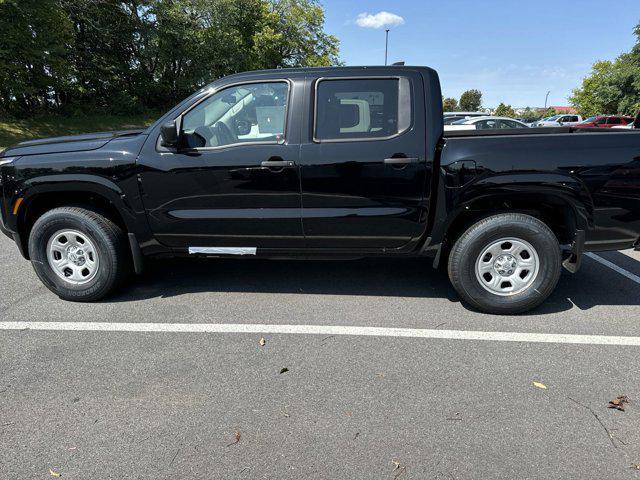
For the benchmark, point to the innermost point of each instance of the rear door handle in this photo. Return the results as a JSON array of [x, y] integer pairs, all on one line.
[[401, 160], [278, 164]]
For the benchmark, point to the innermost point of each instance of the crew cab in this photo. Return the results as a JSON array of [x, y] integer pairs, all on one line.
[[342, 163]]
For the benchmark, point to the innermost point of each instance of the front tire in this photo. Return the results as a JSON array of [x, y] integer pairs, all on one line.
[[78, 254], [505, 264]]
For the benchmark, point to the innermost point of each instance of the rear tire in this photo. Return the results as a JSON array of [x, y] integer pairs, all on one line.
[[78, 254], [505, 264]]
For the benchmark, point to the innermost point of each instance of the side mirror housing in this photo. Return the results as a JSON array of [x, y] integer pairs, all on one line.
[[169, 134]]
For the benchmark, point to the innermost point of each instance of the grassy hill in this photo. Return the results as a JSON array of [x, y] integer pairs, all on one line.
[[14, 130]]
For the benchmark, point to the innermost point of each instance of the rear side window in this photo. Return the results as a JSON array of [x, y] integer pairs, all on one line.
[[361, 109], [614, 121]]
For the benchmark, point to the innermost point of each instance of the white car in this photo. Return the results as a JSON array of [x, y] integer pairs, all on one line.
[[451, 117], [564, 120], [485, 123]]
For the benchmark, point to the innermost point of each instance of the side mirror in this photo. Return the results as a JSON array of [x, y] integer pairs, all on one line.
[[169, 134]]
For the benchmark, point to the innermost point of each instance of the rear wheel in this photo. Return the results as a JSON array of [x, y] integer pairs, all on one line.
[[78, 254], [507, 263]]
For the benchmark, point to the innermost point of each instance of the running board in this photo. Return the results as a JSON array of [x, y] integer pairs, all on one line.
[[223, 250]]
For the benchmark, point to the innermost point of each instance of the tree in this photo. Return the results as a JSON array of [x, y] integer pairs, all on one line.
[[471, 101], [125, 55], [34, 59], [612, 86], [504, 111], [449, 104]]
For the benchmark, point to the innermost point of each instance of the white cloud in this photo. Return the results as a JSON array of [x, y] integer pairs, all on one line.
[[379, 20]]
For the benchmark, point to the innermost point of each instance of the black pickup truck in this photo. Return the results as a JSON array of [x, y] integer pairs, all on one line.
[[317, 163]]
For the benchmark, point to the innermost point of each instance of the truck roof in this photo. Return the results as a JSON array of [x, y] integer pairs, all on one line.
[[301, 71]]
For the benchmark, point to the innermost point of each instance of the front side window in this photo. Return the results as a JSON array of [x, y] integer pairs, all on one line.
[[250, 113], [361, 109]]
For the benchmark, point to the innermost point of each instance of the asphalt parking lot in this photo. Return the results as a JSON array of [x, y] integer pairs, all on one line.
[[215, 405]]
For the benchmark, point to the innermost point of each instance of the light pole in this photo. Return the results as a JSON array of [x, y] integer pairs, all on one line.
[[546, 99], [386, 46]]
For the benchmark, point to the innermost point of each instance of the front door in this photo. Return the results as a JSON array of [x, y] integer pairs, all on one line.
[[364, 170], [234, 183]]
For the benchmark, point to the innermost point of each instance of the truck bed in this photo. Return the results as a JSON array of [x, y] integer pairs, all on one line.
[[596, 169], [532, 131]]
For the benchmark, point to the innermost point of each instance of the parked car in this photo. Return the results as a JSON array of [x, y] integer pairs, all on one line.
[[249, 166], [448, 120], [485, 123], [633, 125], [605, 121], [464, 114], [564, 120]]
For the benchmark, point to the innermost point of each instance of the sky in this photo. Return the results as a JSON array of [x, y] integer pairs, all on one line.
[[514, 51]]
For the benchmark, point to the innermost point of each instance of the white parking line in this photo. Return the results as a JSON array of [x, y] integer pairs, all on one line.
[[322, 330], [614, 267]]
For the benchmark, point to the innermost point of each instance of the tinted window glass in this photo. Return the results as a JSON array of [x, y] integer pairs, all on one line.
[[361, 109], [614, 121], [486, 124], [510, 124], [248, 113]]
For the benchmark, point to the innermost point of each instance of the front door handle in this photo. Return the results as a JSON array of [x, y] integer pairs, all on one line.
[[278, 164], [401, 160]]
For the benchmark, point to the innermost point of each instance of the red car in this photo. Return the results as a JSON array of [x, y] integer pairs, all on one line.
[[605, 121]]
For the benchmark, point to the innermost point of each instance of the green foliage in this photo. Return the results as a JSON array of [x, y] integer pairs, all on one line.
[[504, 111], [531, 115], [450, 104], [612, 87], [471, 101], [126, 55]]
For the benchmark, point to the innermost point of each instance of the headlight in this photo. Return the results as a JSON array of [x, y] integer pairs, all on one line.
[[7, 160]]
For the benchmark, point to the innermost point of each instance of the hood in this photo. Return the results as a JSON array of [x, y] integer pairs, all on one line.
[[70, 143]]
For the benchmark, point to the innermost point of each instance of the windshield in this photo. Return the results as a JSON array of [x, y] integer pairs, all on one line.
[[589, 120], [552, 119], [450, 120]]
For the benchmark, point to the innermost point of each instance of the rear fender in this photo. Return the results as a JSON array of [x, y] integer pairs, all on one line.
[[513, 191]]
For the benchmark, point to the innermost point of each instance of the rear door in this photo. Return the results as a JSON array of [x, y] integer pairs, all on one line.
[[363, 166]]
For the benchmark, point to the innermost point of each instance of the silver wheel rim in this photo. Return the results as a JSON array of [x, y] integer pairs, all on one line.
[[507, 266], [72, 256]]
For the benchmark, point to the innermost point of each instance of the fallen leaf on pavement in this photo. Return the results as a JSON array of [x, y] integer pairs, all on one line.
[[540, 385], [619, 402], [635, 466], [262, 342], [396, 463], [53, 473], [284, 370], [236, 435], [400, 472]]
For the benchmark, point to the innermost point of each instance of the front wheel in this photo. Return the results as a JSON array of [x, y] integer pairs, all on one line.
[[78, 254], [505, 264]]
